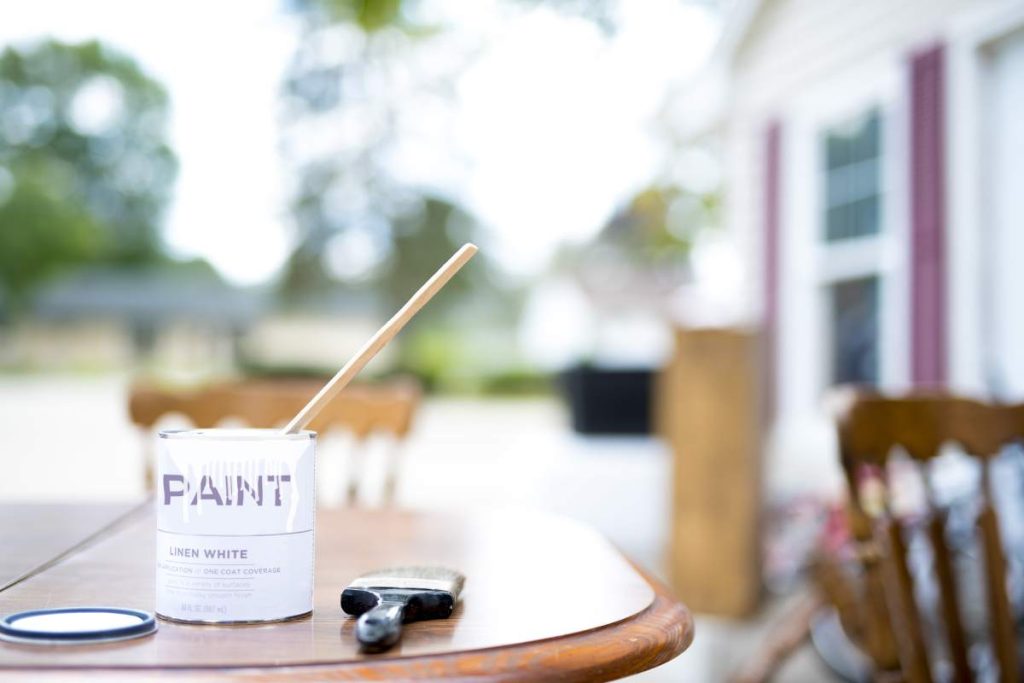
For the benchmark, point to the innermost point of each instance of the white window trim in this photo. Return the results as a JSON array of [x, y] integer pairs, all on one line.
[[971, 36], [809, 264]]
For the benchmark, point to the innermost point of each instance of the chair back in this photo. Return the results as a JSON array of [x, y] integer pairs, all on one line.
[[361, 411], [871, 429]]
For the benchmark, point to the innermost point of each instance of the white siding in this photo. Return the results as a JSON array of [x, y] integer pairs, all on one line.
[[800, 63], [793, 46]]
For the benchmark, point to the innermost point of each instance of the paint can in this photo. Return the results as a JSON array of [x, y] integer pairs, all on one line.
[[235, 511]]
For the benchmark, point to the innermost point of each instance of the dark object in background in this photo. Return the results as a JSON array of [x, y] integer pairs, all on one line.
[[386, 598], [607, 401]]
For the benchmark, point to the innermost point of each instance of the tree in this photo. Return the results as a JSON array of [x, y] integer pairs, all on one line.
[[368, 77], [349, 94], [641, 255], [85, 168], [364, 74]]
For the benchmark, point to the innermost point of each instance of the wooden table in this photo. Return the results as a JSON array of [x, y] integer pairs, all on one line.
[[545, 598]]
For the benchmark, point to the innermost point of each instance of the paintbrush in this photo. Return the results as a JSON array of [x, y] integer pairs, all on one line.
[[386, 598]]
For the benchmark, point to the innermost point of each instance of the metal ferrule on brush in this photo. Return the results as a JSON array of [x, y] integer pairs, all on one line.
[[385, 599]]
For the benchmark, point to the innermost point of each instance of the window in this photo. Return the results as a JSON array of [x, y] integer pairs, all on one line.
[[853, 178], [854, 331], [844, 242], [852, 220]]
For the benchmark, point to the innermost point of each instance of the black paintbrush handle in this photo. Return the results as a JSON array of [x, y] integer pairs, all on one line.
[[381, 627]]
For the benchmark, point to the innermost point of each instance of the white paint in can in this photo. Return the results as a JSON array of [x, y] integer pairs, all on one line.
[[235, 511]]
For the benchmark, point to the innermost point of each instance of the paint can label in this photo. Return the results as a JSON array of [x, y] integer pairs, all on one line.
[[235, 525]]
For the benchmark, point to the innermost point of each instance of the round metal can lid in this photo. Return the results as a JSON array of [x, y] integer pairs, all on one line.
[[76, 625]]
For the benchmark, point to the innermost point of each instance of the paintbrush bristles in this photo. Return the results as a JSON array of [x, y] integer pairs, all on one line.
[[414, 571], [413, 577]]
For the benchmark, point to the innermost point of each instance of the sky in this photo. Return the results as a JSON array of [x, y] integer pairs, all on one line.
[[553, 120]]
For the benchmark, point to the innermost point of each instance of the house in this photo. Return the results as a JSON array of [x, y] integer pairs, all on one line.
[[874, 174], [183, 320], [101, 317]]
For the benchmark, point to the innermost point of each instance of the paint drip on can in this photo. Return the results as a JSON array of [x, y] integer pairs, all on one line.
[[235, 512]]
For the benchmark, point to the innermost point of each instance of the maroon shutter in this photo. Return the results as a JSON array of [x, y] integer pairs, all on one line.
[[927, 218], [772, 186]]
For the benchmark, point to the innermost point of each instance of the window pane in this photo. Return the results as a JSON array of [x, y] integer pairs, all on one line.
[[854, 319], [852, 182], [852, 178], [854, 219]]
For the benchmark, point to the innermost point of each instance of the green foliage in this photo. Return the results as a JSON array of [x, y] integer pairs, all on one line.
[[422, 239], [369, 15], [85, 169], [42, 227], [451, 361], [364, 78], [373, 15], [368, 66], [660, 223], [521, 382], [643, 252]]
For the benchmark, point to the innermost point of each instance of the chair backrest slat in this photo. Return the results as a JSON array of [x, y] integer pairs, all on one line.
[[1004, 641], [949, 596], [900, 592], [879, 639]]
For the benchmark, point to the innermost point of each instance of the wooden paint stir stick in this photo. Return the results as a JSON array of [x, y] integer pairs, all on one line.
[[379, 340]]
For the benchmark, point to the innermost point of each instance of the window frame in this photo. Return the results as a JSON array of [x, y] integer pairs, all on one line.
[[811, 263]]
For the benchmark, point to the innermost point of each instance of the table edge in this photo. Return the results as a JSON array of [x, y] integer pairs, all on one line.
[[649, 638]]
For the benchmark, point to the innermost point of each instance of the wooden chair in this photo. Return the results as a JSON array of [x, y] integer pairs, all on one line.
[[360, 410], [884, 616]]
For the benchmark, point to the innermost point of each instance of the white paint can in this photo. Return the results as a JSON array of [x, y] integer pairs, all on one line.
[[235, 512]]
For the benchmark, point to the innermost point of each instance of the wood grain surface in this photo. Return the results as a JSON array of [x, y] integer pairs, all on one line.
[[545, 598], [33, 534]]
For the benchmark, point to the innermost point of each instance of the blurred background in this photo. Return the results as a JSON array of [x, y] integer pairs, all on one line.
[[695, 217]]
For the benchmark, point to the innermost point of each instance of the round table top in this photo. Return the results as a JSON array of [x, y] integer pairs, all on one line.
[[545, 597]]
